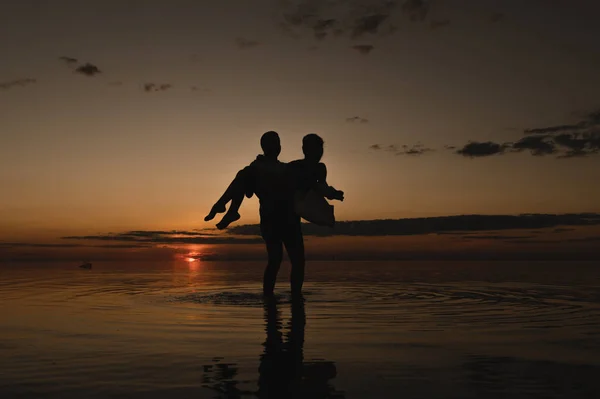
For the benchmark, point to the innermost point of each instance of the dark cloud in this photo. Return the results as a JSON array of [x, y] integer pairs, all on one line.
[[357, 119], [152, 87], [35, 245], [53, 245], [165, 237], [363, 48], [537, 145], [323, 27], [88, 69], [368, 24], [437, 24], [375, 147], [573, 140], [353, 19], [245, 43], [568, 140], [17, 83], [476, 149], [578, 144], [439, 225]]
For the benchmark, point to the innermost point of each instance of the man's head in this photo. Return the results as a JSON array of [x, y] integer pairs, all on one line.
[[270, 144], [312, 147]]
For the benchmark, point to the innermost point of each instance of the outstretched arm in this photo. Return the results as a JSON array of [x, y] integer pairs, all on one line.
[[326, 190]]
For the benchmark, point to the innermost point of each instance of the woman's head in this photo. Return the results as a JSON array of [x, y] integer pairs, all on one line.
[[312, 147]]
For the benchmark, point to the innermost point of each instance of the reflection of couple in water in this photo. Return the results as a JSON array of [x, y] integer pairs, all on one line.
[[283, 372], [282, 189]]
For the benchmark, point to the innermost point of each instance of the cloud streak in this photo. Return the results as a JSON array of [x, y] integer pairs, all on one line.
[[439, 225], [414, 150], [165, 237], [154, 87], [357, 119], [17, 83]]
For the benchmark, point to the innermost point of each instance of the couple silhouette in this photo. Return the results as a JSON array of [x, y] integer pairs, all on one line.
[[283, 190]]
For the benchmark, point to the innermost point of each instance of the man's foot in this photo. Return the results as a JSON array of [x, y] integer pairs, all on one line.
[[217, 208], [229, 218]]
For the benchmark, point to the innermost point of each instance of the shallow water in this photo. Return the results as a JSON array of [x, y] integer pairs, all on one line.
[[365, 330]]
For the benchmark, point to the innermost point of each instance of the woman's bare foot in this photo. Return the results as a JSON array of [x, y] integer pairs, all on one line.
[[229, 218], [217, 208]]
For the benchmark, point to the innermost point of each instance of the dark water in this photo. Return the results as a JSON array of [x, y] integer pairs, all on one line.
[[365, 330]]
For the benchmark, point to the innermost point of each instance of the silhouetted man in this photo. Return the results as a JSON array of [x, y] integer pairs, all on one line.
[[300, 176]]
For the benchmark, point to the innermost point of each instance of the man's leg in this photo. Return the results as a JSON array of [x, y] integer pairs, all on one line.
[[237, 188], [275, 255], [294, 245]]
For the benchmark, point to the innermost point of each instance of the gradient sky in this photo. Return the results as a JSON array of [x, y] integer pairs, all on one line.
[[184, 89]]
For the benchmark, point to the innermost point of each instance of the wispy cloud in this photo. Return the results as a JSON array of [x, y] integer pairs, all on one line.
[[153, 87], [357, 119], [413, 150], [17, 83], [70, 61]]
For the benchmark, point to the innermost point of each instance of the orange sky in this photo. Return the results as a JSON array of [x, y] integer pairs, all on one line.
[[97, 153]]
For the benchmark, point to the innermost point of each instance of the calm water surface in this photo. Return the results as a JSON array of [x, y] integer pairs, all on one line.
[[365, 330]]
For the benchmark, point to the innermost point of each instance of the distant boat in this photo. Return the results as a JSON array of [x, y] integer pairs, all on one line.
[[86, 265]]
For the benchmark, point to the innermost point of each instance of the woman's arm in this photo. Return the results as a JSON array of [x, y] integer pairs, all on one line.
[[326, 190]]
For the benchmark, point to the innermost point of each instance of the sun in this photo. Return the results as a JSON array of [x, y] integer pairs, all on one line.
[[190, 259]]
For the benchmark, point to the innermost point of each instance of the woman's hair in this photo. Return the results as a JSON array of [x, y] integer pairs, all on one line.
[[312, 140]]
